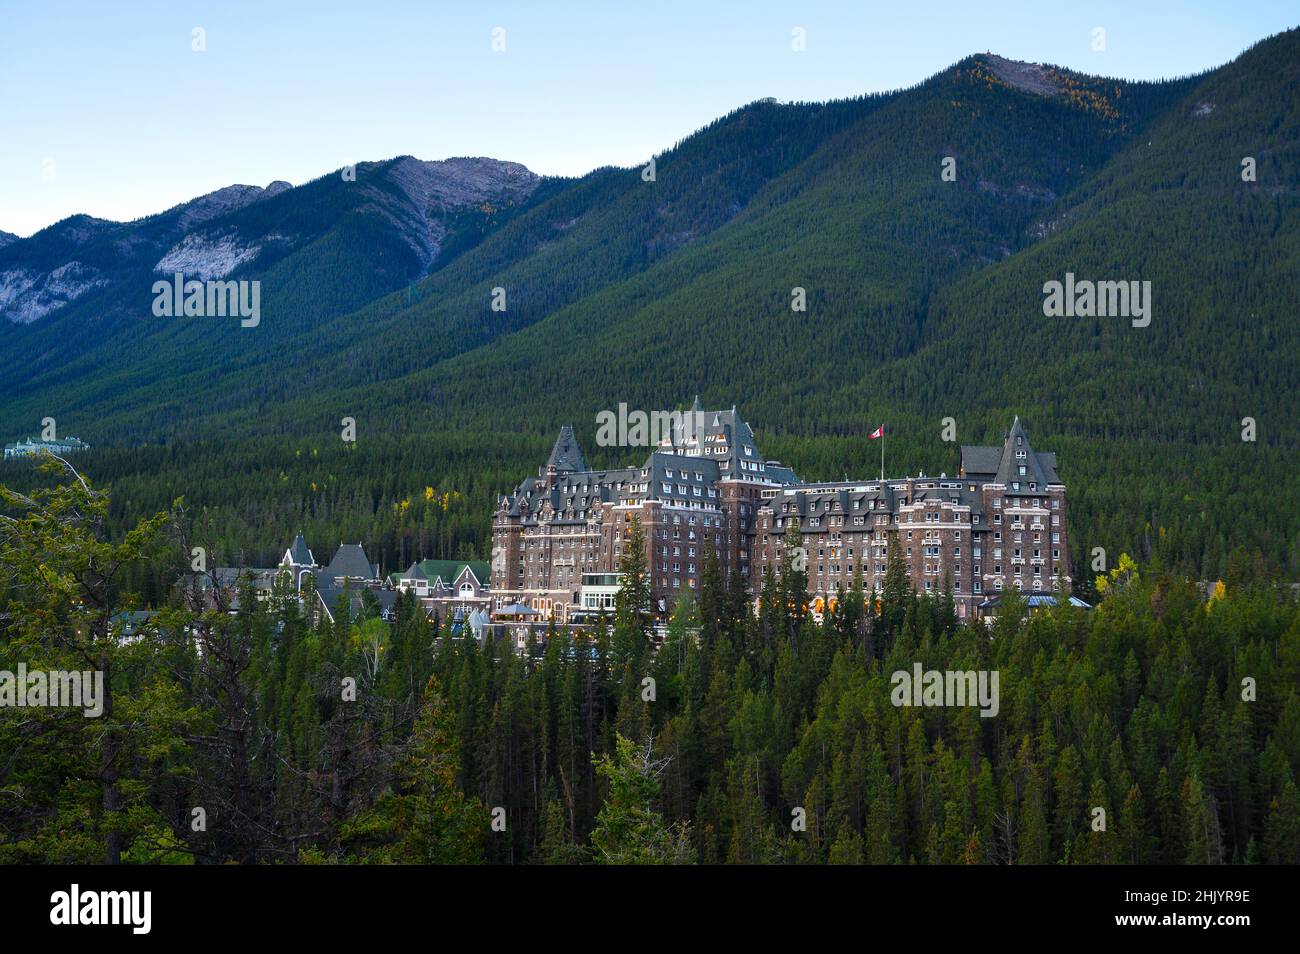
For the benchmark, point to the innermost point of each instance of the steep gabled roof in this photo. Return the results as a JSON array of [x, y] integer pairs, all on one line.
[[1002, 464], [350, 560], [710, 431], [413, 572], [1016, 453], [299, 554], [566, 455], [465, 575]]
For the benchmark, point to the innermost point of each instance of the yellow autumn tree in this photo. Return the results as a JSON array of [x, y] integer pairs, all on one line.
[[1123, 573]]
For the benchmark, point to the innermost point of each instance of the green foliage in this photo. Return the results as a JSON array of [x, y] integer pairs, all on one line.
[[1176, 714], [924, 301], [628, 829]]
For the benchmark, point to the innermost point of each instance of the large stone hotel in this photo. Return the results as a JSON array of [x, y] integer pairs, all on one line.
[[999, 523]]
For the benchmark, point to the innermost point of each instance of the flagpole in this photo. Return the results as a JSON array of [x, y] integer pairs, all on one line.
[[882, 453]]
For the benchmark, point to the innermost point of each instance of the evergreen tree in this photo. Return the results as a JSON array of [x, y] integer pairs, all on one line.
[[628, 829]]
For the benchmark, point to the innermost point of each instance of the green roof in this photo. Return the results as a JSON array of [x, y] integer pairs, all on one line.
[[450, 569]]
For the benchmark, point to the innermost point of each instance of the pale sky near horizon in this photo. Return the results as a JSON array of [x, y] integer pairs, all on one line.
[[108, 109]]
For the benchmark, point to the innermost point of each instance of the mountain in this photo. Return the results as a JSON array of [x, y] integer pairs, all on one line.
[[924, 301], [412, 204]]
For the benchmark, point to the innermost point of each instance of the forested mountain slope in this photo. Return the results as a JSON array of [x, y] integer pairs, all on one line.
[[82, 341], [565, 241], [924, 301]]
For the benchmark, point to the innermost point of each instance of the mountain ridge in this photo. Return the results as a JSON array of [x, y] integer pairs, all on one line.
[[924, 297], [51, 269]]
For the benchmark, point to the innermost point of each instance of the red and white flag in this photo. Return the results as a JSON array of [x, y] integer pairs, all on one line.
[[878, 432]]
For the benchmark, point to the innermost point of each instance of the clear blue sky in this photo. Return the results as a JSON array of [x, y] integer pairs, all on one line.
[[108, 110]]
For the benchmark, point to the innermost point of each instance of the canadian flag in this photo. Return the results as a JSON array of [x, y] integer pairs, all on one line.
[[878, 432]]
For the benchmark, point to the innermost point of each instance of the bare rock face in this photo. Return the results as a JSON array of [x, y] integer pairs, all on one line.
[[427, 191], [461, 182], [207, 237], [214, 204], [204, 257], [1030, 77], [26, 295]]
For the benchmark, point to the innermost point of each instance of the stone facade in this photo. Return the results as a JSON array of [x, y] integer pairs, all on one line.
[[1000, 522]]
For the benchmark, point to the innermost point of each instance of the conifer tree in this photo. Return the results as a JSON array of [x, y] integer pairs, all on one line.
[[629, 829]]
